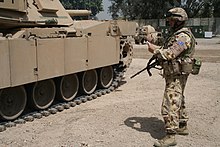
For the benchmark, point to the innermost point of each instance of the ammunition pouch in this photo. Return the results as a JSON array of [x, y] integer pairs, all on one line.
[[186, 66], [196, 66], [171, 68], [191, 66], [178, 67]]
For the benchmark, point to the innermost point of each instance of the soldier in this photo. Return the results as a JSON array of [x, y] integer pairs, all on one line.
[[176, 60]]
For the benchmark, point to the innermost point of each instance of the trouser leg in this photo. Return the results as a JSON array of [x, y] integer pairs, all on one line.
[[183, 116], [173, 105]]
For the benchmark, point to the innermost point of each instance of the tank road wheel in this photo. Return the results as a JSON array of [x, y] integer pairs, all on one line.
[[88, 81], [68, 87], [126, 54], [43, 94], [105, 77], [12, 101]]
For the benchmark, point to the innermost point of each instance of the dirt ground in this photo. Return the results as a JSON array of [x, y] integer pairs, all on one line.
[[129, 116]]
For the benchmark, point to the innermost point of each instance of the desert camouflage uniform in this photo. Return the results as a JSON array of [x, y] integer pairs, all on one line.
[[179, 46]]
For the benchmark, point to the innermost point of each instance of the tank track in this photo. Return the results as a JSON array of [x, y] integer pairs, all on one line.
[[56, 108]]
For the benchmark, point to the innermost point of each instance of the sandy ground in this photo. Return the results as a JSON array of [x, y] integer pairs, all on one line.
[[129, 116]]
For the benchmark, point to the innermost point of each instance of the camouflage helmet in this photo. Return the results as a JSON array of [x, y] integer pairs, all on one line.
[[177, 13]]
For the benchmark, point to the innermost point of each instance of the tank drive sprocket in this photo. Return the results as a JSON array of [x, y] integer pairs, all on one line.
[[126, 52]]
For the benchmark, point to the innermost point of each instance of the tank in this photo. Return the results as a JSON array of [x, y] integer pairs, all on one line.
[[144, 31], [46, 57]]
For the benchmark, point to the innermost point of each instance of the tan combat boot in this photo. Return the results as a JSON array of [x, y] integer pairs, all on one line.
[[168, 140], [182, 130]]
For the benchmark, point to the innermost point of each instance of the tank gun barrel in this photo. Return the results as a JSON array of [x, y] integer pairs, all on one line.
[[6, 23], [73, 13]]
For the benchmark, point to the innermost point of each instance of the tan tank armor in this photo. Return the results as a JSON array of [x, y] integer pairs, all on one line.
[[46, 55]]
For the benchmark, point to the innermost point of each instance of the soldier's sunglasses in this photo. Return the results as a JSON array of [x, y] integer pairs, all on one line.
[[170, 15]]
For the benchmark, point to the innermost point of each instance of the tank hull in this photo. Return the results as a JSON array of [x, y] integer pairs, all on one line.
[[45, 56]]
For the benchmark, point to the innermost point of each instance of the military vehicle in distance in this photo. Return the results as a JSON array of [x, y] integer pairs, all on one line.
[[140, 36], [143, 31], [45, 55]]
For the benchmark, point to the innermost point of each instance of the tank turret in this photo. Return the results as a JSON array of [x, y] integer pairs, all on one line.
[[29, 13]]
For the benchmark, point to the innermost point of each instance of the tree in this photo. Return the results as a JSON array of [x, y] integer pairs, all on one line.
[[194, 7], [202, 8], [155, 9], [140, 9], [216, 11], [94, 5]]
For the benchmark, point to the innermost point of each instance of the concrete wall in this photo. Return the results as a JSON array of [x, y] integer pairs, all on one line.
[[209, 24]]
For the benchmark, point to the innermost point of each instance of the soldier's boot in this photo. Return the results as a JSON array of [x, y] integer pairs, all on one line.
[[168, 140], [182, 130]]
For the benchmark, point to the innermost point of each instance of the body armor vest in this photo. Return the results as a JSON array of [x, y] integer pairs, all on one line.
[[188, 52], [182, 64]]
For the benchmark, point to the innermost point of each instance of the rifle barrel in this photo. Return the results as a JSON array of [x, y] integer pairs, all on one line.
[[138, 73]]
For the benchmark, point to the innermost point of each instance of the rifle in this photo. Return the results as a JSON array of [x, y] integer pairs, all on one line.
[[152, 63]]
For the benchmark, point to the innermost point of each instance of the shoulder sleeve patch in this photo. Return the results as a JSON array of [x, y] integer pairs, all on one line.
[[180, 43]]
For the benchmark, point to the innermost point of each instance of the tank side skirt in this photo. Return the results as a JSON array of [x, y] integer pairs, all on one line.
[[4, 64]]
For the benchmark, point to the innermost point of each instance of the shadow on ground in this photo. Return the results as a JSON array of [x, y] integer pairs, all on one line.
[[152, 125]]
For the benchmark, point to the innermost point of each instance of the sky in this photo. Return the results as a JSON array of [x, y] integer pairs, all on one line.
[[104, 14]]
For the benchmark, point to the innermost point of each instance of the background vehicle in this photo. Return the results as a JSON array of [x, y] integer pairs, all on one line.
[[141, 35], [45, 56]]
